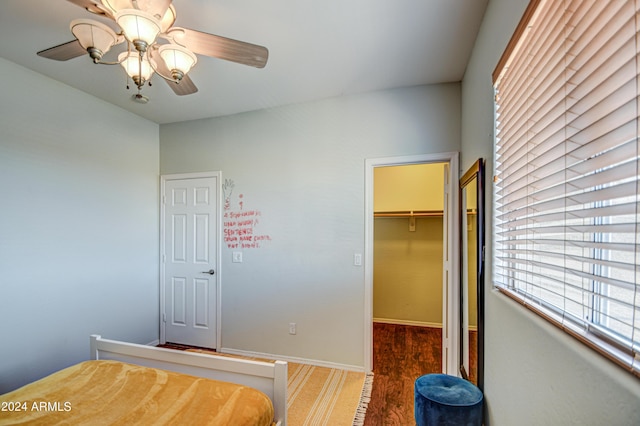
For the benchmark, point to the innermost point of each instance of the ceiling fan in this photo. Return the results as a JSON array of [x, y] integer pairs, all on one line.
[[141, 23]]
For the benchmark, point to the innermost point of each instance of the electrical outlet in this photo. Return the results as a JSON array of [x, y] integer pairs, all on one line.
[[292, 328], [357, 259]]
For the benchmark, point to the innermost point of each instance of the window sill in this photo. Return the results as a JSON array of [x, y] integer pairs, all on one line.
[[620, 357]]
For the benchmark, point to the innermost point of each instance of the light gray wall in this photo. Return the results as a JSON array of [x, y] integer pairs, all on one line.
[[78, 225], [534, 373], [303, 168]]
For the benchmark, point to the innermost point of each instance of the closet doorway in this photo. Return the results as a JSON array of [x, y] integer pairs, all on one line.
[[411, 266]]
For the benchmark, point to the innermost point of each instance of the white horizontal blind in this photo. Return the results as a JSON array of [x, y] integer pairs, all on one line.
[[566, 193]]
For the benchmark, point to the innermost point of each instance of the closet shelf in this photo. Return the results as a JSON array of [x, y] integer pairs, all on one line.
[[416, 213], [410, 213]]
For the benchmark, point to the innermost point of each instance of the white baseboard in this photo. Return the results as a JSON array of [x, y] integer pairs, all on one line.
[[408, 322], [317, 363]]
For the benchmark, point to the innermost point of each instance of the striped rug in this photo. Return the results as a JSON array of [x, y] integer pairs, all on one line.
[[318, 396], [326, 396]]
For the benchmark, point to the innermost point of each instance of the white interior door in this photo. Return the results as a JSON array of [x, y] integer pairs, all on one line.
[[450, 282], [190, 259]]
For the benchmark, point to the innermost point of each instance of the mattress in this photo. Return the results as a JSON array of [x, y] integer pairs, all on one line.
[[115, 393]]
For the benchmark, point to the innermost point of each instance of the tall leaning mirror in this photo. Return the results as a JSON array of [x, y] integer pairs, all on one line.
[[472, 273]]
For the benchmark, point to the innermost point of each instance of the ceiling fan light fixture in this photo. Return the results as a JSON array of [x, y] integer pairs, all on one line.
[[177, 59], [139, 70], [139, 27], [141, 22], [96, 37], [161, 8]]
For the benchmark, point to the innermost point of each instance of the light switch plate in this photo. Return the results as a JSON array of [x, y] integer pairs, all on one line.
[[237, 257]]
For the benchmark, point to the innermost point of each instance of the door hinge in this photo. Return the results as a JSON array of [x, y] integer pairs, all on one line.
[[164, 317]]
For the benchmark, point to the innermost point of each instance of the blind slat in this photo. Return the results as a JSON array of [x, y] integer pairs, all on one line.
[[601, 195], [611, 147], [512, 220], [581, 183], [584, 160]]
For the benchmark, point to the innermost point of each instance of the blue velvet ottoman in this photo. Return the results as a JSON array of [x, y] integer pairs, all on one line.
[[441, 400]]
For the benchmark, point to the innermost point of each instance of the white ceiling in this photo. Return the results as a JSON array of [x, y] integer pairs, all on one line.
[[317, 49]]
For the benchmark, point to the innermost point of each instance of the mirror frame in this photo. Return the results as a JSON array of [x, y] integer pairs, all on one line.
[[476, 171]]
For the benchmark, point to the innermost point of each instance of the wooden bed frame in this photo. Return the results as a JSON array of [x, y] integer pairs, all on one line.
[[270, 378]]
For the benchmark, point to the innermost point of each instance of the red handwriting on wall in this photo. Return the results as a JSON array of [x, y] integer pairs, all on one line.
[[240, 228]]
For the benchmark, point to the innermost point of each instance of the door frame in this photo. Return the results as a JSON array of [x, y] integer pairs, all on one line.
[[451, 279], [217, 243]]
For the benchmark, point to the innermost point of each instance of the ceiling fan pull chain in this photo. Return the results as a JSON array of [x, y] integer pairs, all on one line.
[[141, 83]]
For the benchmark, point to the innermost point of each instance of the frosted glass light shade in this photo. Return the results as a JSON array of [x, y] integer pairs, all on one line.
[[151, 6], [138, 26], [93, 34], [135, 69], [177, 58]]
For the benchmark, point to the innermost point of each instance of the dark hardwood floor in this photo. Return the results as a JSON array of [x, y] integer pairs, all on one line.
[[401, 354]]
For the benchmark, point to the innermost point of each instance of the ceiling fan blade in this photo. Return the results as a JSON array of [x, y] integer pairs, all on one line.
[[64, 52], [221, 47], [91, 6], [186, 85]]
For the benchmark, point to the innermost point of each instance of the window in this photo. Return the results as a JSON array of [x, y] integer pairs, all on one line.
[[566, 217]]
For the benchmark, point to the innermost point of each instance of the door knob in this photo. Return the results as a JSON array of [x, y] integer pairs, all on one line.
[[210, 272]]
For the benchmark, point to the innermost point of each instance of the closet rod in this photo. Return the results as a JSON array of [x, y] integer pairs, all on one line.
[[409, 213], [415, 213]]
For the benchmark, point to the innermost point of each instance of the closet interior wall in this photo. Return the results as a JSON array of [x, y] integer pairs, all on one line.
[[408, 244]]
